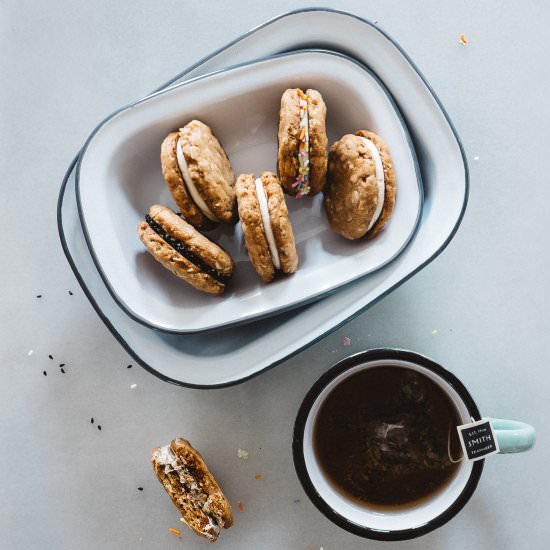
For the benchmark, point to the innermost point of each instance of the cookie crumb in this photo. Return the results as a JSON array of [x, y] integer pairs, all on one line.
[[176, 532], [347, 341], [240, 506], [241, 453], [257, 477], [463, 40]]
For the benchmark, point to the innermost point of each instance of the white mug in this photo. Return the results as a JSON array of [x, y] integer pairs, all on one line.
[[405, 522]]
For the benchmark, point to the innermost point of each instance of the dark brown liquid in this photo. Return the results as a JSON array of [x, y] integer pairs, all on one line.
[[382, 437]]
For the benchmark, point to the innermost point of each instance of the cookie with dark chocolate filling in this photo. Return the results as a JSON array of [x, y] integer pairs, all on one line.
[[181, 249]]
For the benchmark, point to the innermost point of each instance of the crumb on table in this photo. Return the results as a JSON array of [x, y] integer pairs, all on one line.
[[241, 453]]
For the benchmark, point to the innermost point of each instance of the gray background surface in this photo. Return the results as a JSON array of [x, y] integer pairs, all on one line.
[[64, 484]]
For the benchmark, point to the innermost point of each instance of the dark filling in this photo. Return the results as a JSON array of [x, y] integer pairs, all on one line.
[[183, 249]]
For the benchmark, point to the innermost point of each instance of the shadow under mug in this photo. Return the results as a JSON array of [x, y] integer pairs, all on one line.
[[405, 522]]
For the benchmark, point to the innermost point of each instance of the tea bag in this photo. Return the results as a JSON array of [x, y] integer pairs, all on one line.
[[399, 444]]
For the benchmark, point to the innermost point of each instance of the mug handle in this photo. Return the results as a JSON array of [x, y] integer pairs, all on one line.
[[513, 436]]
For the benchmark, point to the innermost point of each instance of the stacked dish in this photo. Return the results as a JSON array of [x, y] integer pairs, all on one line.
[[163, 324]]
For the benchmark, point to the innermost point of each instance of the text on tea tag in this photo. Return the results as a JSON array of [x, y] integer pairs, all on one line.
[[478, 439]]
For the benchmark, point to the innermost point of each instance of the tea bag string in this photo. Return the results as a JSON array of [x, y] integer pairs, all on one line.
[[453, 460]]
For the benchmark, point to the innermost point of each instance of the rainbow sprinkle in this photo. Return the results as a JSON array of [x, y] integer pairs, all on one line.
[[302, 181]]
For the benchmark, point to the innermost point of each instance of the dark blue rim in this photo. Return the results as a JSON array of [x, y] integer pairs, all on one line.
[[143, 321], [298, 444], [170, 380]]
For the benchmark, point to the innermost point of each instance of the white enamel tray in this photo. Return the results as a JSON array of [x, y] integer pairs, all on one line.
[[198, 360], [119, 177]]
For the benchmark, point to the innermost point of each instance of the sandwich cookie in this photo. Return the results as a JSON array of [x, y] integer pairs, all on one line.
[[184, 475], [302, 156], [360, 193], [199, 175], [181, 249], [267, 230]]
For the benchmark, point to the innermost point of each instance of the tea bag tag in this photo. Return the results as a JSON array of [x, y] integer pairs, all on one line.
[[478, 439]]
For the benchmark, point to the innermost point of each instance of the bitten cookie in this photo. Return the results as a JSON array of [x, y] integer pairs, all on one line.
[[186, 478], [302, 156], [267, 230], [181, 249], [360, 193], [199, 175]]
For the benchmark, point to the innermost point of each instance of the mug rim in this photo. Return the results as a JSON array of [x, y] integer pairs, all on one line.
[[298, 444]]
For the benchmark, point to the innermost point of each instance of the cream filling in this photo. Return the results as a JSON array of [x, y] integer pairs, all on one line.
[[379, 172], [182, 163], [264, 211], [211, 527], [303, 153], [165, 455]]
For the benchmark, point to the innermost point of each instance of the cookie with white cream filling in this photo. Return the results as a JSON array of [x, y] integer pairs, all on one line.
[[359, 197], [266, 226], [199, 175]]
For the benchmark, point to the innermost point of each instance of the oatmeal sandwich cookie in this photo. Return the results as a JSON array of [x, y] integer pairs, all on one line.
[[267, 230], [199, 175], [360, 193], [194, 491], [181, 249], [302, 156]]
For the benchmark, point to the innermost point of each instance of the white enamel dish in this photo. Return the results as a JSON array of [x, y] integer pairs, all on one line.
[[119, 177], [234, 355]]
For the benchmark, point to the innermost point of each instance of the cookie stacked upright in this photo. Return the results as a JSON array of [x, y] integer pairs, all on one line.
[[266, 226], [302, 137]]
